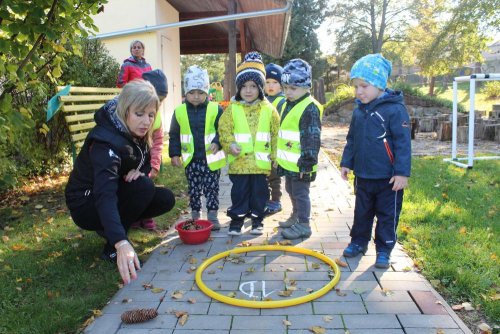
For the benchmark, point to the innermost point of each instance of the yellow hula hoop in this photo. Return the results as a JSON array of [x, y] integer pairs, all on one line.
[[272, 303]]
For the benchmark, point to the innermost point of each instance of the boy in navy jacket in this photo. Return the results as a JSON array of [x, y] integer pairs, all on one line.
[[378, 150]]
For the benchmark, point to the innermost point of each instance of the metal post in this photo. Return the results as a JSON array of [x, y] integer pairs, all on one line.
[[454, 122], [470, 150]]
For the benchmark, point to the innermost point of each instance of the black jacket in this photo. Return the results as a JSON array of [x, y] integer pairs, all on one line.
[[107, 155]]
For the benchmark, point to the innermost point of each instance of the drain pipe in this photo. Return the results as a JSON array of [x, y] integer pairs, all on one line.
[[190, 23]]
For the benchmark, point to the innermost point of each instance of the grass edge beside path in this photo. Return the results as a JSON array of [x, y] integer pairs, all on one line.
[[52, 278]]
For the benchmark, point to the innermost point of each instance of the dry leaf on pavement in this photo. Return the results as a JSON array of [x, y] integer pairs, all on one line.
[[317, 330], [340, 263]]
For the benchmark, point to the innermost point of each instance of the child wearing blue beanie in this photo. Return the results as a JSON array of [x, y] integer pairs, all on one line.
[[378, 151]]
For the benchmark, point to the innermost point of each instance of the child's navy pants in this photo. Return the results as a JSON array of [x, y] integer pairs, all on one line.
[[375, 198], [249, 195]]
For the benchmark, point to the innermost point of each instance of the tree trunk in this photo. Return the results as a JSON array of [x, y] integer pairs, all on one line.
[[431, 86]]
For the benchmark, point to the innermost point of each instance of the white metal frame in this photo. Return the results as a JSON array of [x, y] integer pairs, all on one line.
[[472, 93]]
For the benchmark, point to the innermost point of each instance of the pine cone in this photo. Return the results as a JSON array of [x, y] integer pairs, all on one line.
[[139, 315]]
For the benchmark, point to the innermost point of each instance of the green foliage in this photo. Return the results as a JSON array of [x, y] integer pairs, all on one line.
[[341, 94], [213, 63], [36, 38], [449, 224], [491, 89], [302, 41]]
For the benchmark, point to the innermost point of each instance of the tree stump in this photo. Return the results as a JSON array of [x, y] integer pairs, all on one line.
[[478, 129], [462, 134], [426, 125], [489, 131], [462, 120], [497, 133], [444, 131]]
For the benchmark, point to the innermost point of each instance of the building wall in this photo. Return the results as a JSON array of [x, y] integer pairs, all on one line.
[[162, 47]]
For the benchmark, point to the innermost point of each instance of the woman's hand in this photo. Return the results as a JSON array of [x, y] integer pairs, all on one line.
[[398, 182], [176, 162], [133, 175], [127, 261], [344, 172]]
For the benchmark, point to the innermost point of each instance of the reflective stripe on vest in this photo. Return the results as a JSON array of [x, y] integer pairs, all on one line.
[[289, 137], [243, 137], [214, 161]]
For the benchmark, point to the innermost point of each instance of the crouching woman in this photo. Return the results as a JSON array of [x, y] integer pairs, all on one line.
[[109, 187]]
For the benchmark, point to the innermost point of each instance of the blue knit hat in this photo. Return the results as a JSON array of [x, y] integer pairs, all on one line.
[[372, 68], [251, 69], [158, 80], [274, 71], [297, 72]]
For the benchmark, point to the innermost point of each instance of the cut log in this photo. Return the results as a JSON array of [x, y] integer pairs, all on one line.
[[426, 125], [489, 131], [462, 134], [444, 131], [478, 129], [462, 120], [497, 133]]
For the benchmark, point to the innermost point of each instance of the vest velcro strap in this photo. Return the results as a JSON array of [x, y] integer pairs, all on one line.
[[263, 136], [289, 135], [186, 138], [263, 156], [288, 156], [215, 157], [242, 137], [209, 138]]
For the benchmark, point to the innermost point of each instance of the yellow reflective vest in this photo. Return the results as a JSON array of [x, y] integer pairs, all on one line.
[[261, 148], [214, 161], [289, 136]]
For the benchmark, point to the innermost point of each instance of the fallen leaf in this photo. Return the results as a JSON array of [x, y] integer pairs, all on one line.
[[468, 306], [183, 319], [387, 292], [157, 290], [193, 260], [316, 265], [317, 330], [407, 269], [232, 294], [8, 228], [192, 300], [457, 307], [5, 238], [97, 313], [340, 263], [250, 269], [290, 269], [291, 288], [309, 290], [327, 318], [245, 244], [485, 328], [462, 230], [177, 294], [126, 300], [24, 198], [285, 243], [286, 323], [286, 293], [38, 206], [495, 297], [18, 247], [147, 286]]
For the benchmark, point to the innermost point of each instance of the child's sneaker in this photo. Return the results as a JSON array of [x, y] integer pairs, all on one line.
[[292, 220], [257, 229], [383, 260], [297, 231], [353, 250], [233, 230], [272, 207], [148, 224]]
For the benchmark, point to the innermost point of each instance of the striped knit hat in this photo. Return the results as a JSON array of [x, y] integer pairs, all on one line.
[[251, 69]]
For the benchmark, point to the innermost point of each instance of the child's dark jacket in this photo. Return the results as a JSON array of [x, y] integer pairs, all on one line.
[[365, 152], [197, 117]]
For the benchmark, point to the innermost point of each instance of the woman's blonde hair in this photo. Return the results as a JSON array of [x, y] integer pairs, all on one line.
[[137, 94], [135, 41]]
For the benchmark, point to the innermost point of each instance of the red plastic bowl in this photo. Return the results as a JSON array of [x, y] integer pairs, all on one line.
[[195, 237]]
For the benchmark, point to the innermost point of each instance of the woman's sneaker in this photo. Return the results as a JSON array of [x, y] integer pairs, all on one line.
[[353, 250], [148, 224], [297, 231], [289, 222]]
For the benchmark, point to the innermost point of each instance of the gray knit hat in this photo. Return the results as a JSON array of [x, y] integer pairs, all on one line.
[[196, 78], [297, 72]]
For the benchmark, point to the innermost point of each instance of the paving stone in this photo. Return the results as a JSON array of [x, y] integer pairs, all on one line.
[[301, 309], [427, 302], [257, 323], [339, 307], [378, 331], [136, 296], [406, 285], [340, 296], [399, 276], [392, 307], [162, 321], [207, 322], [387, 296], [107, 323], [219, 308], [119, 307], [365, 286], [197, 308], [307, 331], [251, 331], [144, 331], [305, 322], [427, 321], [434, 331], [194, 331], [371, 321]]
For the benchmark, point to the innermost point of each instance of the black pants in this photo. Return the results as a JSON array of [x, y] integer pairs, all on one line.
[[139, 199], [249, 195], [375, 198]]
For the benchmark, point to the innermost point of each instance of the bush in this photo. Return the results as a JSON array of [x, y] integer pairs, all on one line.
[[342, 93], [491, 89]]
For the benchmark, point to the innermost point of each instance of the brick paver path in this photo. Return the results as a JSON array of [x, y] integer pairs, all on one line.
[[366, 300]]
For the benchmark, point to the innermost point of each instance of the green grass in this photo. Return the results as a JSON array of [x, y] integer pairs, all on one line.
[[451, 227], [481, 101], [52, 279]]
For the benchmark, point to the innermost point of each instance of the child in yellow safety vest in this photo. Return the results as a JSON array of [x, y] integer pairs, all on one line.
[[299, 142], [194, 144], [248, 133], [275, 95]]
